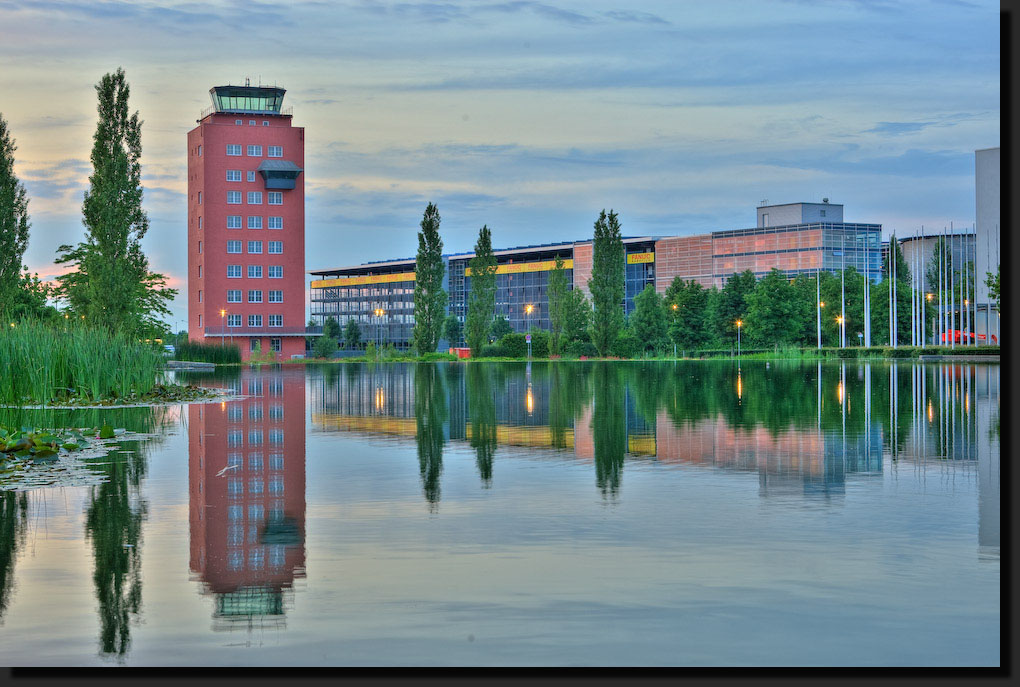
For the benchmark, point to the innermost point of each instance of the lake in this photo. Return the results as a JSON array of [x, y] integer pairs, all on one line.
[[694, 513]]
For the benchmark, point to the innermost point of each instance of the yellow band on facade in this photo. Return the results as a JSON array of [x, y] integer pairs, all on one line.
[[519, 267], [369, 279]]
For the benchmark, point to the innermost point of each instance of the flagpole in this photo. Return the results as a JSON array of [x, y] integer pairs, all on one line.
[[842, 290], [952, 290]]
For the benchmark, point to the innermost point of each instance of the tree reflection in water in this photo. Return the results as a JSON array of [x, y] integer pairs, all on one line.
[[482, 409], [609, 427], [113, 523], [430, 408], [791, 417], [13, 525]]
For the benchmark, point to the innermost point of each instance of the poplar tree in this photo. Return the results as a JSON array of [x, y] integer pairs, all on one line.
[[13, 222], [429, 295], [607, 282], [112, 286], [482, 300], [557, 291], [649, 320]]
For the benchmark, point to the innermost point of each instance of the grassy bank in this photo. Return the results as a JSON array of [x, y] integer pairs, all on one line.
[[790, 353], [44, 364]]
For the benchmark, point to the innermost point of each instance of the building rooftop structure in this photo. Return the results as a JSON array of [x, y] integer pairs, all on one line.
[[247, 99]]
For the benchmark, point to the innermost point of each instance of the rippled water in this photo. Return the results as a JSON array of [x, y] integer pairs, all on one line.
[[506, 514]]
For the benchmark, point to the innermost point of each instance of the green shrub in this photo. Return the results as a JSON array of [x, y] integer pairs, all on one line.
[[203, 352], [581, 348], [324, 346], [492, 351], [433, 357], [539, 343], [626, 345], [514, 345]]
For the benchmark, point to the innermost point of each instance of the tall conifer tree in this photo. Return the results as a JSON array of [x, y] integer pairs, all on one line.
[[558, 290], [482, 300], [607, 282], [13, 221], [429, 295], [113, 286]]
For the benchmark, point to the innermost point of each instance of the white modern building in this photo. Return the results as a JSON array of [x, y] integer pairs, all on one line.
[[986, 196]]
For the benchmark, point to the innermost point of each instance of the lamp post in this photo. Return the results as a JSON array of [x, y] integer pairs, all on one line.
[[674, 322], [527, 310], [818, 310], [379, 312], [839, 321], [739, 324], [966, 311], [223, 313], [928, 297]]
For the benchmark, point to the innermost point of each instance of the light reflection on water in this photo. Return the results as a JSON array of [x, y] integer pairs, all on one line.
[[556, 514]]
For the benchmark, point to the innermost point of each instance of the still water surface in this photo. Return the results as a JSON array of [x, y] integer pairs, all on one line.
[[506, 514]]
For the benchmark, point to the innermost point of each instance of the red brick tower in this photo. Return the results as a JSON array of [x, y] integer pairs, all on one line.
[[246, 223]]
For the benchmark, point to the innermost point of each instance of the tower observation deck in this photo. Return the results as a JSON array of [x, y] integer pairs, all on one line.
[[250, 100]]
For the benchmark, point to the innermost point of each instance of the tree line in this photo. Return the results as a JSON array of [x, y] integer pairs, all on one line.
[[772, 311], [111, 285]]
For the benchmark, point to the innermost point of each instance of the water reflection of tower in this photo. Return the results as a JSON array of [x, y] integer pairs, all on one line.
[[247, 497]]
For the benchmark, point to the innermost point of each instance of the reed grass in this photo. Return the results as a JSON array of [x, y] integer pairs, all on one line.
[[217, 353], [42, 363]]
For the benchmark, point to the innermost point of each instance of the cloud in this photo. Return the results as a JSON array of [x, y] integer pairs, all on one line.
[[898, 128], [634, 16]]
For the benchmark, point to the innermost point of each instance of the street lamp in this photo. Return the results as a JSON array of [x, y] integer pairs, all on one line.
[[527, 310], [818, 320], [222, 314], [739, 324], [379, 312], [674, 316], [839, 321]]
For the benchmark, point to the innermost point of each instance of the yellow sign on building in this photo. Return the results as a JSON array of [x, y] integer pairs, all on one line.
[[637, 258]]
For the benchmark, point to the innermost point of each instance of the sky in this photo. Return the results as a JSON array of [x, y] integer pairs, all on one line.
[[529, 117]]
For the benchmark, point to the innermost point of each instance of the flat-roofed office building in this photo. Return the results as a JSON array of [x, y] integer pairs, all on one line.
[[797, 238]]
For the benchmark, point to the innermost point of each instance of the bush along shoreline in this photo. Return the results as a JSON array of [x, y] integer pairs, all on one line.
[[513, 348]]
